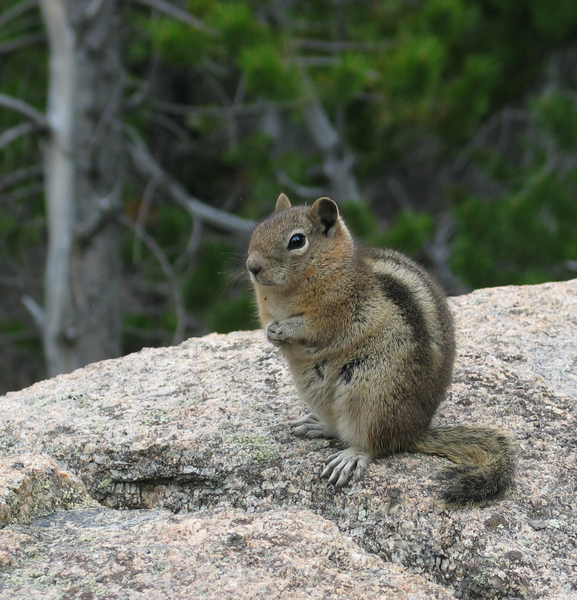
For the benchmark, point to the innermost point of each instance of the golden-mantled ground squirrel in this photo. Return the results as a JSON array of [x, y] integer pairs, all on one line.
[[369, 341]]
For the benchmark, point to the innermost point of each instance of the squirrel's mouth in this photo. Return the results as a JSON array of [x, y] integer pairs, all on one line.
[[258, 279], [265, 283]]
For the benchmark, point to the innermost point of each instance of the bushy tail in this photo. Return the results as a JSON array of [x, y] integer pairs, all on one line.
[[485, 458]]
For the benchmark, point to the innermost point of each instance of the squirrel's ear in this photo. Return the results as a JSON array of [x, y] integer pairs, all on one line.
[[326, 213], [282, 202]]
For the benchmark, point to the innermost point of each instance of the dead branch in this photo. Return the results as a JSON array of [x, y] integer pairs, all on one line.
[[176, 292], [500, 119], [438, 252], [11, 338], [304, 191], [147, 197], [338, 161], [192, 246], [148, 166], [341, 46], [22, 192], [22, 42], [177, 13], [220, 111], [25, 109], [107, 207], [15, 132], [35, 310], [16, 11], [399, 193], [18, 176]]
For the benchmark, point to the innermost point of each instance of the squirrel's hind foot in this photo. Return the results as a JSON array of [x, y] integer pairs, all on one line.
[[345, 465]]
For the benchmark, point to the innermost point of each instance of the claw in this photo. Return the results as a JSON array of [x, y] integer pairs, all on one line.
[[345, 465]]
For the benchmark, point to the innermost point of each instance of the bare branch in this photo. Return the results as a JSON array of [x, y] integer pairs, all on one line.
[[15, 132], [107, 207], [303, 191], [25, 109], [19, 175], [340, 46], [156, 250], [147, 198], [438, 252], [173, 127], [337, 160], [177, 13], [317, 61], [35, 310], [22, 192], [322, 130], [148, 166], [241, 109], [92, 9], [21, 42], [16, 11], [11, 338], [394, 184], [483, 133], [193, 244]]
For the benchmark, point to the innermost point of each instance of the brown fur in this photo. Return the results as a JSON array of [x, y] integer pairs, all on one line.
[[369, 340]]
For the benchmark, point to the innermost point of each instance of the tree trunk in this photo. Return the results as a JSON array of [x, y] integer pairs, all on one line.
[[83, 171]]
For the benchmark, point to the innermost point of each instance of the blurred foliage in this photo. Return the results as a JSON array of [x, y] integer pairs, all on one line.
[[410, 232], [467, 106], [528, 235]]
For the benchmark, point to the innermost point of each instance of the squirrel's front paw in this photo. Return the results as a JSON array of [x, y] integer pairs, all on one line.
[[275, 334], [287, 331]]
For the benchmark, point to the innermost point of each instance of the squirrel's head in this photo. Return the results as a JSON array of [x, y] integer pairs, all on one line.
[[298, 243]]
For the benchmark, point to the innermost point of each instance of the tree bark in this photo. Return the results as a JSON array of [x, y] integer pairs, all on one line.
[[83, 171]]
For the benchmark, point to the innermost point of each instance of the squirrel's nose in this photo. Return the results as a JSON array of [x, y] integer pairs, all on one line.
[[254, 264]]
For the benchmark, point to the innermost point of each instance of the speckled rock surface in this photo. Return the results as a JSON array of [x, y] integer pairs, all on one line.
[[202, 430], [221, 555], [33, 486]]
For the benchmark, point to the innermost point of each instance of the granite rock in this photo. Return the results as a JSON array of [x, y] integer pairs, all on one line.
[[216, 554], [195, 440], [33, 485]]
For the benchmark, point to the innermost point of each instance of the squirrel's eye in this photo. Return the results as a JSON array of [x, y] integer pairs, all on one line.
[[298, 240]]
